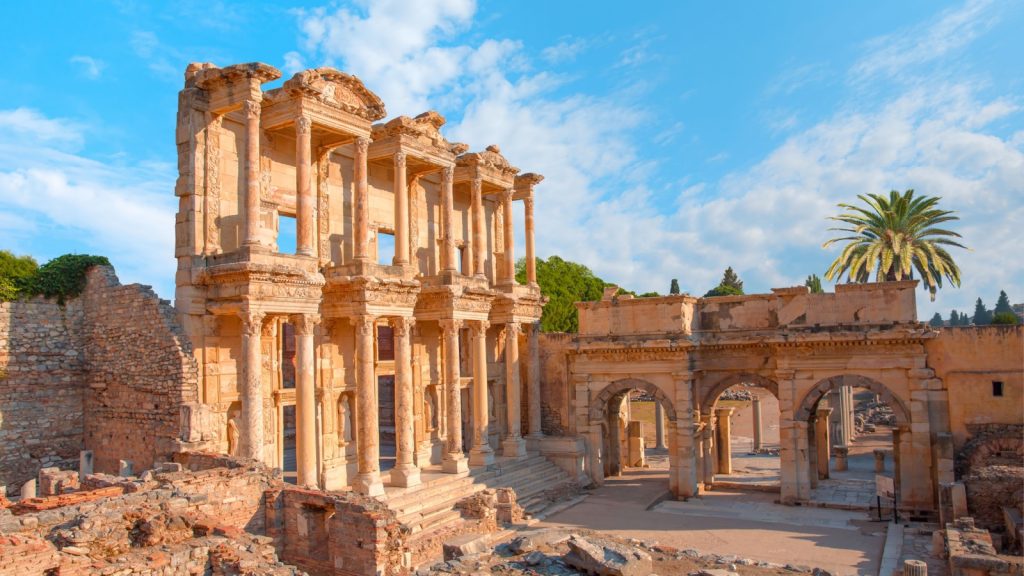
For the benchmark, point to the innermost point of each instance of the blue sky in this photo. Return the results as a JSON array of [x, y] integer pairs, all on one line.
[[677, 138]]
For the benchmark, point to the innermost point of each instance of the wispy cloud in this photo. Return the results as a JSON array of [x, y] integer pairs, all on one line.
[[565, 51], [90, 67], [164, 61], [891, 55]]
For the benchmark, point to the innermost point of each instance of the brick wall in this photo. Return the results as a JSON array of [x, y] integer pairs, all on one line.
[[41, 376], [139, 372]]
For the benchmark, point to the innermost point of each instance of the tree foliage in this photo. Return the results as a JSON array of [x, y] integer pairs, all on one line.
[[982, 315], [1002, 304], [61, 278], [731, 285], [894, 236], [674, 288], [564, 283], [814, 284], [937, 321]]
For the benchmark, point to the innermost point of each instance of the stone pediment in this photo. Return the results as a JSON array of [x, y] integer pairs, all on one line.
[[491, 158], [425, 129], [208, 76], [338, 90]]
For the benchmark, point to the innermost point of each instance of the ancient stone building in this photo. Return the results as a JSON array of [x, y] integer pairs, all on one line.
[[395, 321]]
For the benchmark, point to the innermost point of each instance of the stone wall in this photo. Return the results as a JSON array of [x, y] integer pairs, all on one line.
[[989, 489], [110, 372], [554, 383], [41, 377], [140, 371]]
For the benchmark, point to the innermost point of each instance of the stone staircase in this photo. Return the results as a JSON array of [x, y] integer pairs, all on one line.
[[431, 505]]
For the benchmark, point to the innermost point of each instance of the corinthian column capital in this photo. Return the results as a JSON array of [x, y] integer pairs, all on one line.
[[252, 322], [479, 328], [304, 324], [450, 325], [252, 109], [363, 323], [303, 125], [402, 325]]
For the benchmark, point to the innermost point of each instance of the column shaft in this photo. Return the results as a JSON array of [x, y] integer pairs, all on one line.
[[758, 432], [659, 425], [510, 240], [251, 435], [448, 219], [454, 459], [724, 442], [367, 439], [479, 227], [533, 380], [303, 190], [305, 401], [513, 444], [362, 209], [405, 472], [481, 454], [822, 442], [401, 212], [531, 255], [708, 451], [252, 172]]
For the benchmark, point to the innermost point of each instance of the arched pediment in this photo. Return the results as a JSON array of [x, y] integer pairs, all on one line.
[[600, 402], [339, 90]]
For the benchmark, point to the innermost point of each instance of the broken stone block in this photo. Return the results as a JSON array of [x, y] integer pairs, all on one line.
[[605, 558], [28, 489], [124, 468], [465, 545]]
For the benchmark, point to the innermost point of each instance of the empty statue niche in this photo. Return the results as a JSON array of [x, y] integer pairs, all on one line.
[[430, 410], [316, 520]]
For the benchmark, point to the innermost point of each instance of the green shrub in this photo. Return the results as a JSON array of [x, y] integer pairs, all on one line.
[[61, 278], [1005, 318]]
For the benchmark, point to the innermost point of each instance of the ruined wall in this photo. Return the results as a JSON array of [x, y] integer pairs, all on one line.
[[968, 360], [41, 377], [625, 316], [139, 372], [554, 383]]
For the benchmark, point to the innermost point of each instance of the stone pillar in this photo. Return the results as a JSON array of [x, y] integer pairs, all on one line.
[[842, 454], [708, 448], [305, 401], [513, 445], [367, 440], [821, 442], [533, 381], [681, 441], [250, 436], [481, 454], [454, 459], [401, 212], [531, 255], [448, 221], [405, 473], [758, 424], [303, 190], [510, 240], [724, 442], [252, 110], [659, 425], [479, 227], [361, 230]]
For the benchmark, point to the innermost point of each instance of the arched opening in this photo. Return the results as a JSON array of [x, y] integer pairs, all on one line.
[[624, 416], [858, 433], [740, 441]]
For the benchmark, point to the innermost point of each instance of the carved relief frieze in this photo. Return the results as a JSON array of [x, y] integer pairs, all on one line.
[[322, 217], [212, 183]]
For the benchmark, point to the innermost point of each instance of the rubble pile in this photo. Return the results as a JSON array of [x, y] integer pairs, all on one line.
[[867, 416], [737, 394]]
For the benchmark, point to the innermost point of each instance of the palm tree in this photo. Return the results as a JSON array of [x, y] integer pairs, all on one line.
[[894, 236]]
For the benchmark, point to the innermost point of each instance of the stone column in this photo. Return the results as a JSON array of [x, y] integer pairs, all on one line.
[[448, 219], [250, 437], [303, 190], [401, 212], [252, 172], [681, 442], [405, 473], [481, 454], [361, 230], [305, 401], [513, 445], [454, 459], [708, 448], [367, 440], [479, 227], [659, 425], [510, 239], [534, 415], [821, 441], [531, 255], [758, 424], [724, 442]]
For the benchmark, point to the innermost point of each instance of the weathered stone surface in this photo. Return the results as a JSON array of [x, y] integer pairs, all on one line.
[[606, 558], [466, 545]]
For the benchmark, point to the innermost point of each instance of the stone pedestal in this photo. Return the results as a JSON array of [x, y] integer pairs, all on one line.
[[758, 424], [723, 429], [635, 442], [841, 454], [879, 461], [28, 489]]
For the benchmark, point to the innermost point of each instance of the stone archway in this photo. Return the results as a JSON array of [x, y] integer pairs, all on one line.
[[806, 408], [600, 402], [711, 396], [718, 456]]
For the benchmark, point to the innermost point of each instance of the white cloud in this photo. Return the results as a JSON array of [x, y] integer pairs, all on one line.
[[565, 51], [90, 67], [123, 212], [158, 57], [293, 62]]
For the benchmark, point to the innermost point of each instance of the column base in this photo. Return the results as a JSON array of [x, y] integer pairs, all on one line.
[[533, 442], [513, 447], [481, 456], [369, 484], [405, 476], [455, 464]]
